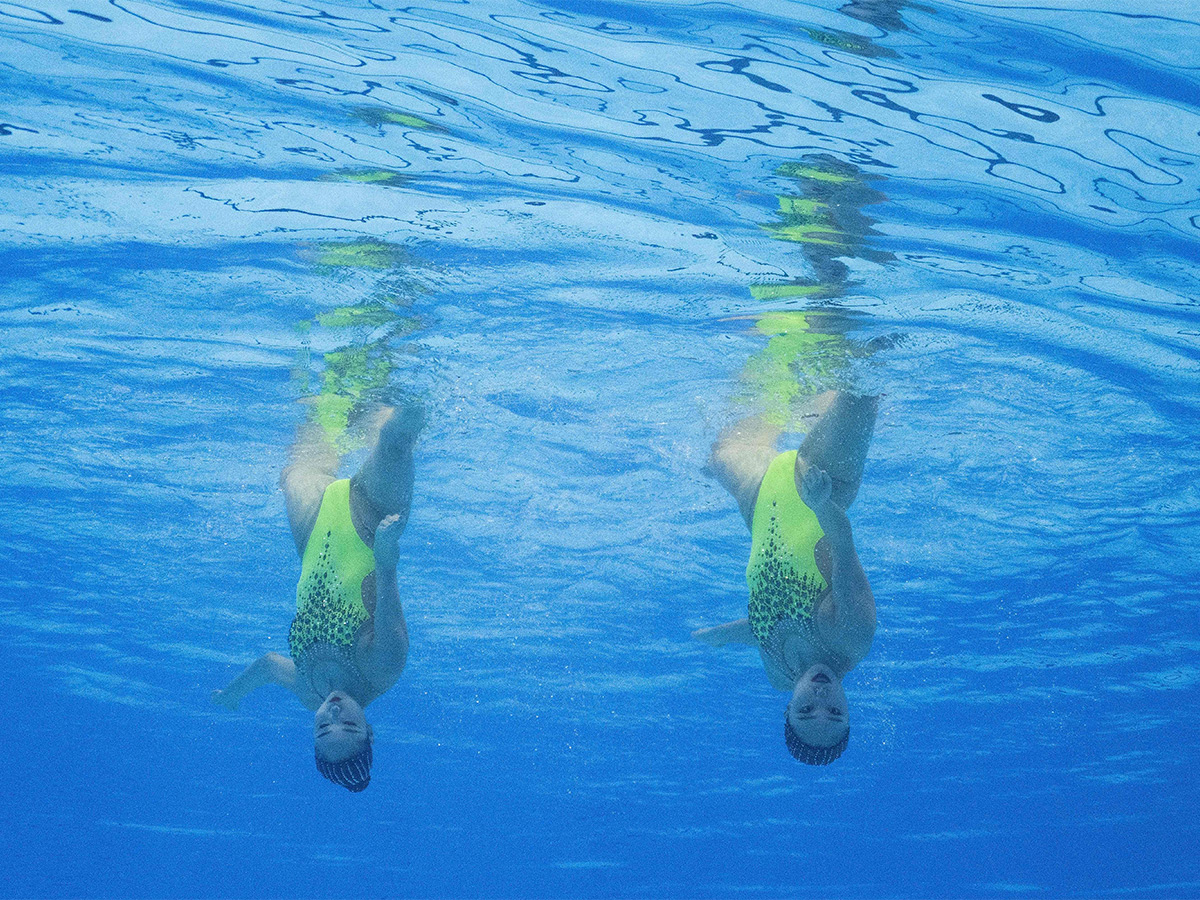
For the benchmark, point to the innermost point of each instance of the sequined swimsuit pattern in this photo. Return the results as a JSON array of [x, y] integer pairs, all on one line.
[[782, 575], [330, 609]]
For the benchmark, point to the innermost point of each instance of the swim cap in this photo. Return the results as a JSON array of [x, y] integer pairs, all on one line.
[[813, 754], [354, 774]]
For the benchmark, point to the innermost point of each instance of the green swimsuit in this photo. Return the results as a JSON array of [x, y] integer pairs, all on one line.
[[329, 606], [785, 583]]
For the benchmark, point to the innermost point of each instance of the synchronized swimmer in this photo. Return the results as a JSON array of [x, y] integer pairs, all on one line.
[[348, 641], [811, 610]]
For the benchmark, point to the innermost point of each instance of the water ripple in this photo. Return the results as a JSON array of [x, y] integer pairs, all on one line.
[[520, 82]]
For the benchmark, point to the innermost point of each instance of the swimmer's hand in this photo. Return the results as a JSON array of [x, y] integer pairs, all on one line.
[[816, 489], [714, 637], [730, 633], [387, 543], [225, 699]]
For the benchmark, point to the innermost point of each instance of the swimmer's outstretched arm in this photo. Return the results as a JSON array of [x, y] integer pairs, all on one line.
[[389, 651], [849, 619], [730, 633], [271, 668]]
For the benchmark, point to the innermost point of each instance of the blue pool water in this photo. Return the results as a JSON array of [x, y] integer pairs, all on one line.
[[583, 234]]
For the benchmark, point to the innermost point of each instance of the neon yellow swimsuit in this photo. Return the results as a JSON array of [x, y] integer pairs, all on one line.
[[782, 575], [329, 606]]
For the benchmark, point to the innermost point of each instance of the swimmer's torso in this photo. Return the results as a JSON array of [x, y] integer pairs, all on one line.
[[786, 586], [332, 628]]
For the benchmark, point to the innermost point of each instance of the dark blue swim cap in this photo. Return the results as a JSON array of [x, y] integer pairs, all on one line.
[[812, 754], [354, 774]]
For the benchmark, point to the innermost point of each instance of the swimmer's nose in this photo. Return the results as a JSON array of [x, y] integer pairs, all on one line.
[[821, 678]]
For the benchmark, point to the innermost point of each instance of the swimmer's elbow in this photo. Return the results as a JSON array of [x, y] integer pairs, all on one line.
[[864, 602], [392, 652], [853, 614], [867, 621], [401, 652]]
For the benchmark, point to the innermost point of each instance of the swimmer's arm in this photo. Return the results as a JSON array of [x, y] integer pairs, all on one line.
[[730, 633], [271, 668], [389, 650], [848, 617]]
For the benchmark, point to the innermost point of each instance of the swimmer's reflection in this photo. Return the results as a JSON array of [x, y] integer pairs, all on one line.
[[348, 641], [811, 610], [883, 13]]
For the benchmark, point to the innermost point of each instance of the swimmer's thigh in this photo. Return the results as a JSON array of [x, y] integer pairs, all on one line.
[[313, 468], [386, 477], [740, 457], [838, 444]]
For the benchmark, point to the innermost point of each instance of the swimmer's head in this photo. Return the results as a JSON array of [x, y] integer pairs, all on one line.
[[342, 740], [816, 726]]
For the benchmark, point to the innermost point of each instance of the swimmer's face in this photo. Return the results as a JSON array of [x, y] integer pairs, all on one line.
[[340, 728], [817, 710]]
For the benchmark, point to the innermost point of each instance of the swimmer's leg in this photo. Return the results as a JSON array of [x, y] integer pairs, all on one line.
[[740, 457], [385, 480], [838, 444], [312, 466]]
